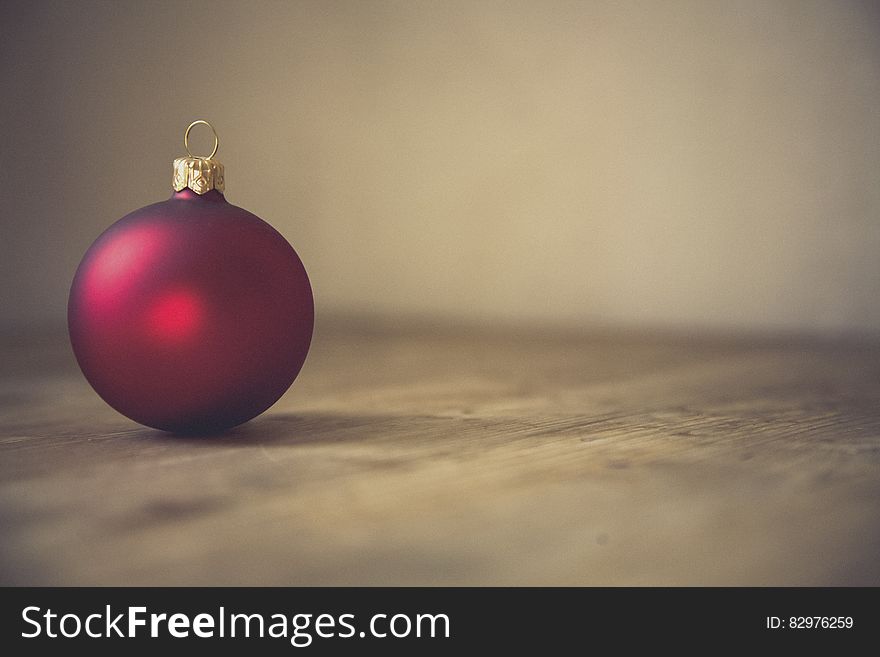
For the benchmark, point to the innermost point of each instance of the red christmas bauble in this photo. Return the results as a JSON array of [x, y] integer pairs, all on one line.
[[191, 315]]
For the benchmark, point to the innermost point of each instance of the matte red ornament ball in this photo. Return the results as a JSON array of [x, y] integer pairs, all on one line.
[[191, 315]]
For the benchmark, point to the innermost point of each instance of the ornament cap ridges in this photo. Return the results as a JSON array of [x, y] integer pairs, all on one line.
[[199, 174]]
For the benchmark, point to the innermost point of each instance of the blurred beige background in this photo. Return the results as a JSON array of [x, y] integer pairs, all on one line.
[[681, 164]]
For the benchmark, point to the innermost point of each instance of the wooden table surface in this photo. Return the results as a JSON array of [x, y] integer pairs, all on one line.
[[433, 455]]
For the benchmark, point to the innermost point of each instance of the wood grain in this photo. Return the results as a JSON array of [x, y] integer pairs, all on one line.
[[442, 455]]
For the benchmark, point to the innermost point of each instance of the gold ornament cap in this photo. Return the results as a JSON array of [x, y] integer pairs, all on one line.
[[200, 174]]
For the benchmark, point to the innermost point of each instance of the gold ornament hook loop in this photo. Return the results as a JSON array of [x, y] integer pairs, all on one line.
[[186, 139]]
